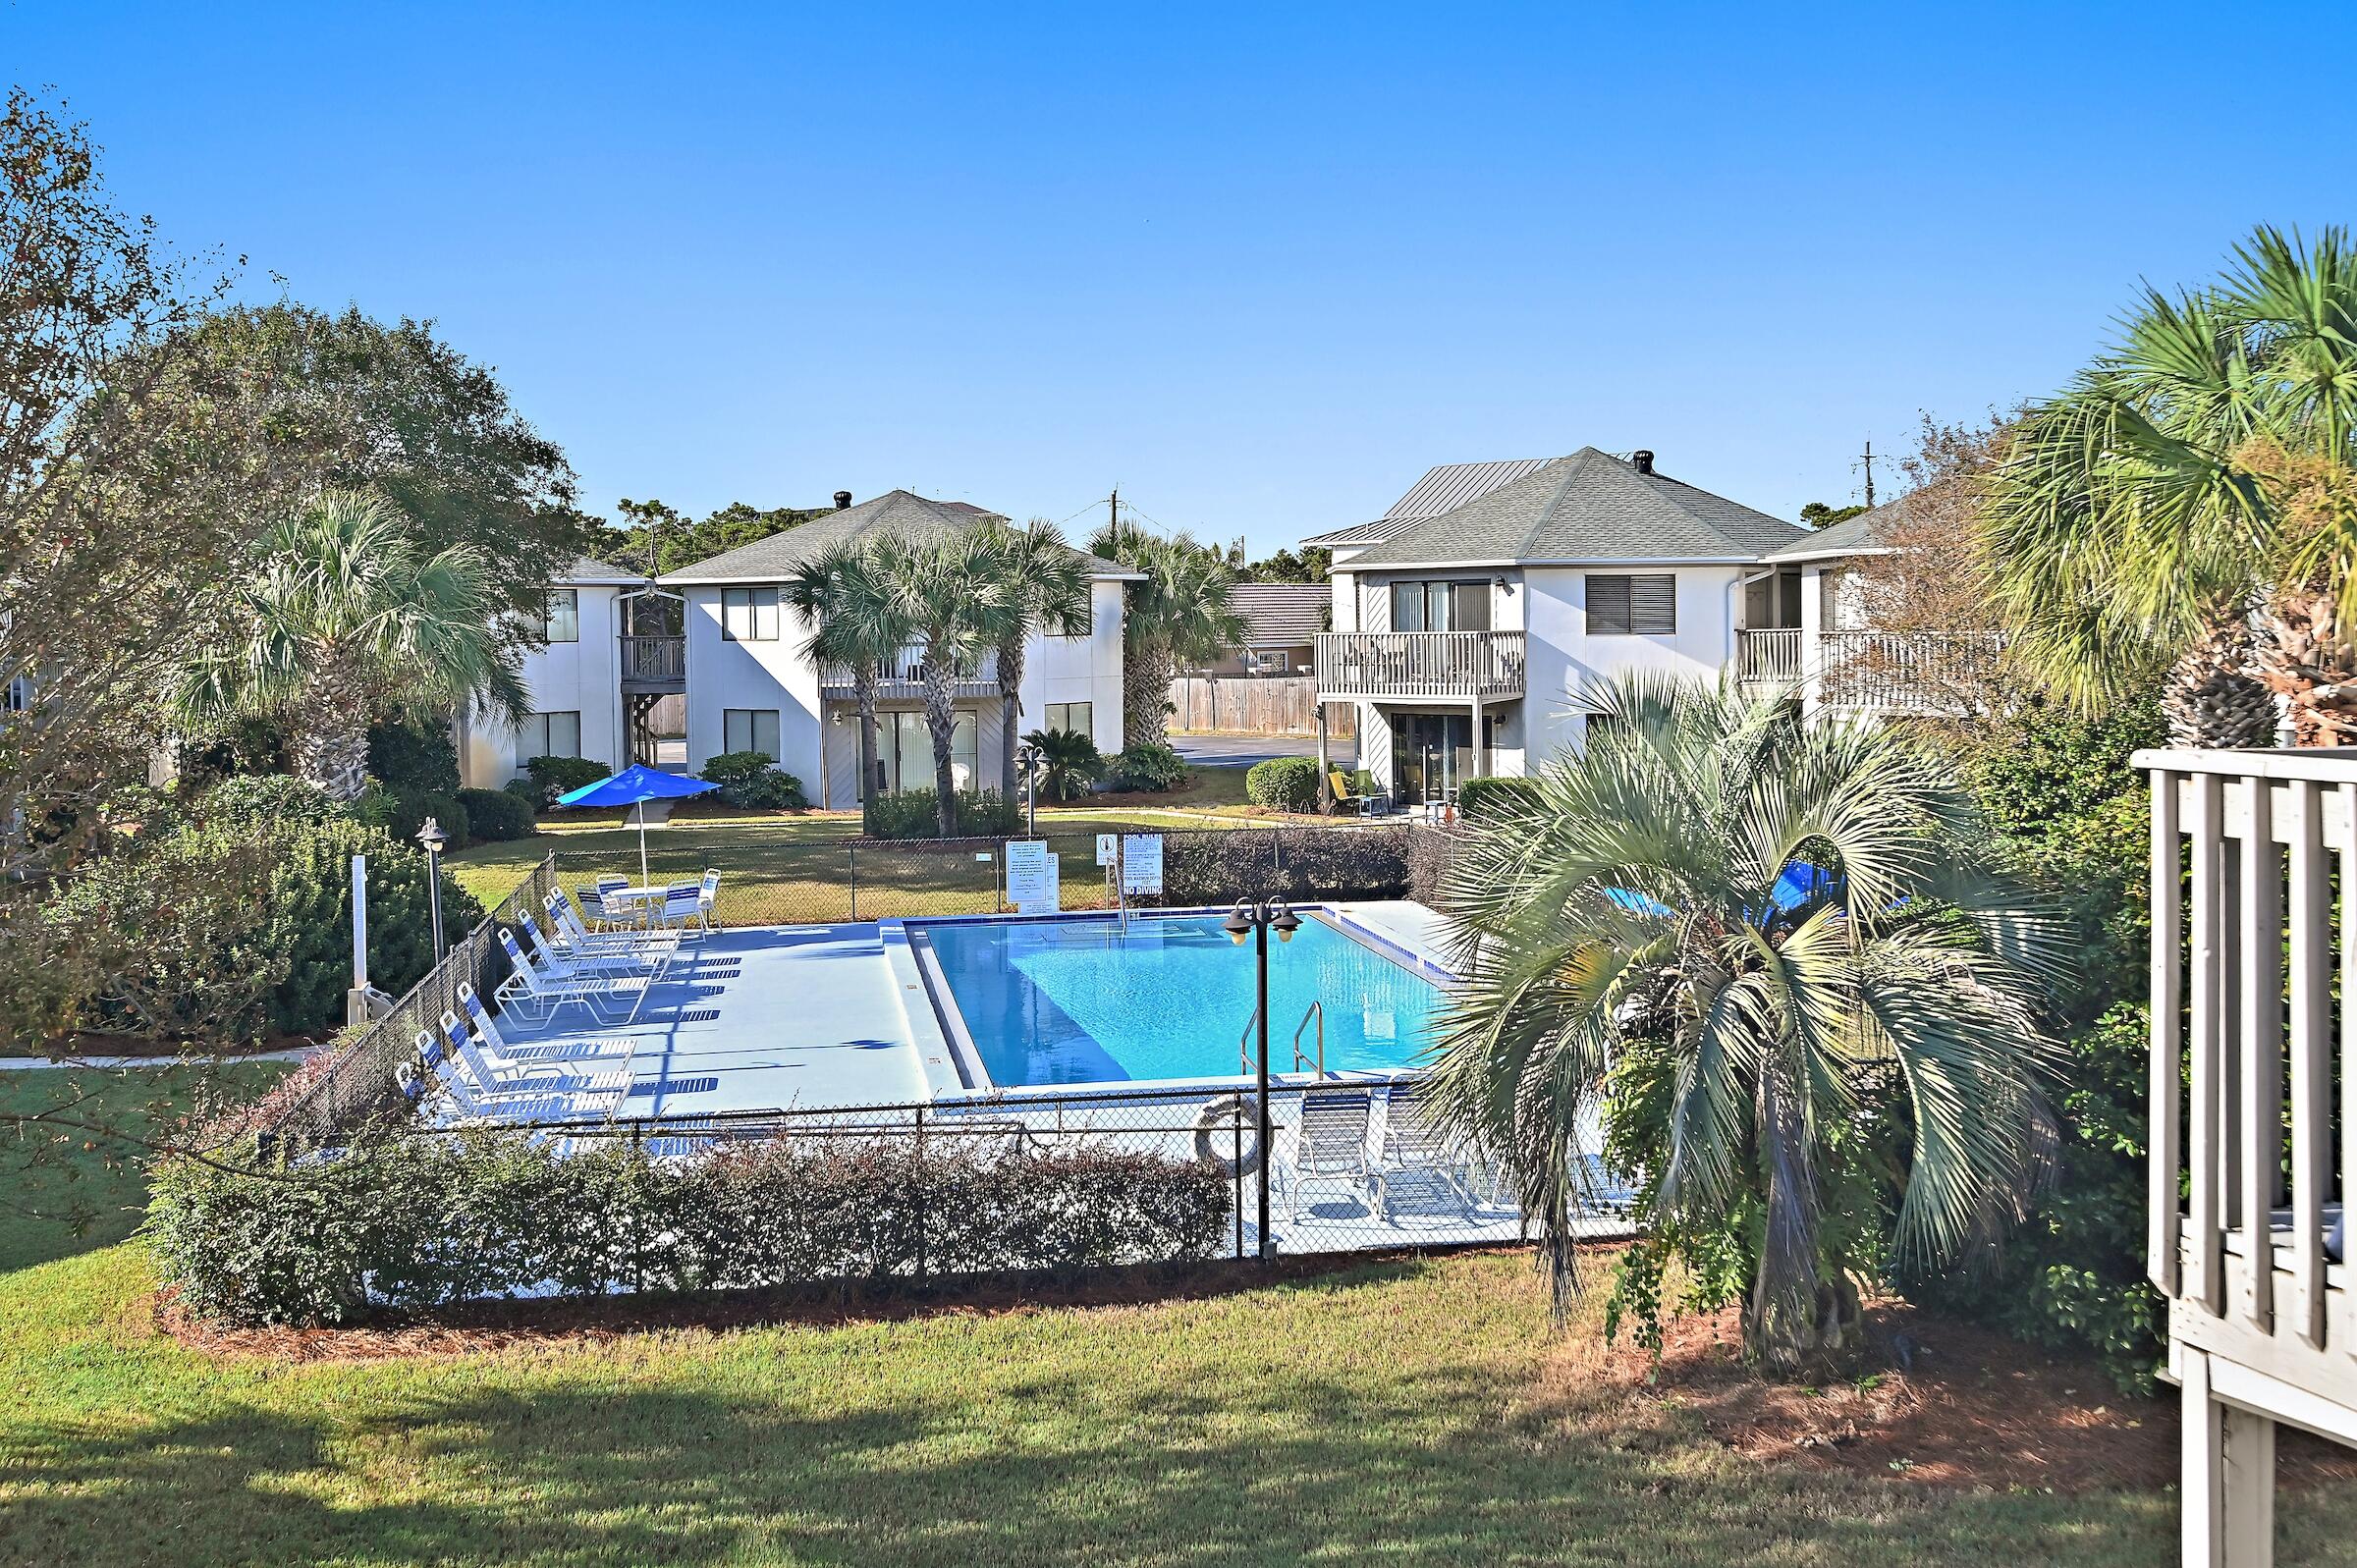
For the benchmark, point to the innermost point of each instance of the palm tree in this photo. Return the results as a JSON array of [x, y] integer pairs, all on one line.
[[347, 622], [2190, 501], [1042, 582], [856, 622], [951, 592], [1768, 953], [1180, 613], [1068, 762]]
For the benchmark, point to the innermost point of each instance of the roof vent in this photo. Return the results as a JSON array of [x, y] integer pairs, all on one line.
[[1642, 460], [843, 497]]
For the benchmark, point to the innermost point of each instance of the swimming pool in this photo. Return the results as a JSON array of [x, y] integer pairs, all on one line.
[[1058, 1001]]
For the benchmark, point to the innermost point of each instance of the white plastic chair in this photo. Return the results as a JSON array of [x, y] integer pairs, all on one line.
[[497, 1076], [542, 982]]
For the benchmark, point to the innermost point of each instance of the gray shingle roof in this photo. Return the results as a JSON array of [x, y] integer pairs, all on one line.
[[895, 512], [1588, 507], [1443, 489], [589, 571], [1868, 531], [1281, 613]]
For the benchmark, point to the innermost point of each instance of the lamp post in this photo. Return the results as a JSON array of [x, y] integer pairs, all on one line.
[[1026, 755], [434, 839], [1254, 918]]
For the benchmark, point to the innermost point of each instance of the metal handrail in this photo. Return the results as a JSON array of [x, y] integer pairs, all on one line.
[[1243, 1043], [1317, 1012]]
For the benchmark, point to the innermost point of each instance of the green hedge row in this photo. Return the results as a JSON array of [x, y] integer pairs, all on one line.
[[1283, 784], [1218, 867], [422, 1222]]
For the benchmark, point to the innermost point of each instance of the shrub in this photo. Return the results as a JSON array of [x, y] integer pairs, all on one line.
[[1307, 863], [328, 1241], [915, 814], [219, 929], [1493, 797], [407, 814], [1429, 852], [1286, 783], [1149, 766], [557, 776], [1068, 762], [250, 800], [413, 759], [494, 814], [750, 781]]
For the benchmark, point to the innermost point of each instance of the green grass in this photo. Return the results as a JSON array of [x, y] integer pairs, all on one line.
[[1403, 1412]]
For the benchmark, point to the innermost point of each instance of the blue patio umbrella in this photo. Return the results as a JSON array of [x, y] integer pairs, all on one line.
[[634, 786]]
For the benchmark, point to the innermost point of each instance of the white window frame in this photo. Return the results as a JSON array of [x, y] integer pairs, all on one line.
[[564, 610], [1629, 579], [749, 615], [1088, 726], [544, 726], [747, 725]]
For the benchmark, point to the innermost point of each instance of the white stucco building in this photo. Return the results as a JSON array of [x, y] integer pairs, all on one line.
[[1471, 620], [579, 705]]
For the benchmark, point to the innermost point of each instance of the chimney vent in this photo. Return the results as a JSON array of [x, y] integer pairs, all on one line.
[[843, 497], [1642, 459]]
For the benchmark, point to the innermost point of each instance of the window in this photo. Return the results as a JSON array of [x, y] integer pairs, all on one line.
[[19, 695], [564, 614], [1631, 606], [552, 735], [1440, 606], [750, 730], [906, 747], [1080, 625], [1076, 717], [749, 615]]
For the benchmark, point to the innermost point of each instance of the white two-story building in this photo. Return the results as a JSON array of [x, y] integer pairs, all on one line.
[[1470, 620], [582, 694]]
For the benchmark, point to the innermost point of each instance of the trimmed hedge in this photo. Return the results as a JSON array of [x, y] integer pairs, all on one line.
[[1147, 769], [557, 776], [752, 780], [1218, 867], [1429, 852], [422, 1222], [917, 814], [1495, 797], [407, 813], [497, 814], [1283, 784]]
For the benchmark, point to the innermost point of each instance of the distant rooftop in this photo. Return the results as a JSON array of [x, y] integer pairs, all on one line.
[[900, 512], [1279, 615], [1443, 489]]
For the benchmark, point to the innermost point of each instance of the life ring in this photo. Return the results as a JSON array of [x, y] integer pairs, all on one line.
[[1215, 1139]]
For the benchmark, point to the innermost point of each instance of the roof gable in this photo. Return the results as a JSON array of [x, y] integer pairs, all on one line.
[[899, 512]]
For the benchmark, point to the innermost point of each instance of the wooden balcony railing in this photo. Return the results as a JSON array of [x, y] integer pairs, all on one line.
[[906, 668], [655, 661], [1768, 656], [2254, 881], [1383, 665]]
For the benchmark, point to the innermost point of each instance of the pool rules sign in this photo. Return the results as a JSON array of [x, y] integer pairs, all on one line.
[[1141, 862], [1031, 882]]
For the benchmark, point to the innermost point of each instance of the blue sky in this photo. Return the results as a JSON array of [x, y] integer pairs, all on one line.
[[1259, 267]]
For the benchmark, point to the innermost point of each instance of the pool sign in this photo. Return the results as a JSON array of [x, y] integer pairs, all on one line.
[[1105, 849], [1141, 862], [1032, 876]]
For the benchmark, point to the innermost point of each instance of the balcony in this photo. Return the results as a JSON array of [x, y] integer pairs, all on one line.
[[1408, 666], [1769, 658], [654, 663], [904, 677], [1874, 671], [2253, 1146]]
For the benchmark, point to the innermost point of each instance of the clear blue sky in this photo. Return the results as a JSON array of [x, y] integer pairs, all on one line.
[[1259, 267]]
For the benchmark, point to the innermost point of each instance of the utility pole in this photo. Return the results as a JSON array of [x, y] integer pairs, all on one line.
[[1869, 461], [1112, 512]]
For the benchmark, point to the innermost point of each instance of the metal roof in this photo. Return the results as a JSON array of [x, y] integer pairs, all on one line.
[[1589, 506], [895, 512], [1280, 614], [1443, 489]]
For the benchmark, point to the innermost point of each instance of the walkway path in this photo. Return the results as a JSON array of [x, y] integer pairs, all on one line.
[[108, 1064]]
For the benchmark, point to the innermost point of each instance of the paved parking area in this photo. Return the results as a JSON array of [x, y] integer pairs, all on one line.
[[1235, 751]]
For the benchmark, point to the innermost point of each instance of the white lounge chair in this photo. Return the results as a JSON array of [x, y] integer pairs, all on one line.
[[1330, 1141], [544, 981], [1418, 1170], [433, 1076], [478, 1019], [625, 951], [499, 1076]]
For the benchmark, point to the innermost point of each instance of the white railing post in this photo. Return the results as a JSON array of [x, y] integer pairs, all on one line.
[[2164, 1153], [2204, 1155], [2310, 918], [2259, 1097]]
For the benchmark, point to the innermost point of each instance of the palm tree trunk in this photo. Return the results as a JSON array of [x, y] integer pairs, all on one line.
[[863, 694], [2308, 660], [941, 719], [333, 757], [1146, 695], [1010, 712], [1785, 1321], [2212, 698]]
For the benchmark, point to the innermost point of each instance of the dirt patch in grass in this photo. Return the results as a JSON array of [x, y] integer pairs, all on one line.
[[1970, 1409], [475, 1327]]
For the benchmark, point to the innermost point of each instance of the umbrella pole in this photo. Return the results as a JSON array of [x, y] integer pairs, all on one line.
[[640, 810]]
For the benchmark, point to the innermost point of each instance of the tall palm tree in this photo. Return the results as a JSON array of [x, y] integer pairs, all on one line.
[[1775, 946], [1042, 582], [1179, 612], [347, 621], [857, 622], [951, 592], [2189, 500]]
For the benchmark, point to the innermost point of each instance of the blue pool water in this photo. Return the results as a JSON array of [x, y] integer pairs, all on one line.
[[1054, 1002]]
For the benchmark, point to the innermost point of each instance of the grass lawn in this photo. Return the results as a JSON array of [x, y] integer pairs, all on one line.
[[780, 869], [1403, 1412]]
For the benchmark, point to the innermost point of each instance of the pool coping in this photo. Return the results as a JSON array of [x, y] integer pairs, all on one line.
[[953, 1065]]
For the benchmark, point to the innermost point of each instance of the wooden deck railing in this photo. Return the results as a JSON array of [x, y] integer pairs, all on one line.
[[907, 668], [1419, 664], [654, 659], [1768, 656]]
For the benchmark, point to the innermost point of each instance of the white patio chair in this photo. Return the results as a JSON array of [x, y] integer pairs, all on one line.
[[542, 980], [681, 907], [1418, 1170], [498, 1075], [433, 1078], [1329, 1140], [478, 1019], [624, 951], [711, 896]]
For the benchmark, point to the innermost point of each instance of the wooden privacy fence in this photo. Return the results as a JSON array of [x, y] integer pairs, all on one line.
[[1256, 705]]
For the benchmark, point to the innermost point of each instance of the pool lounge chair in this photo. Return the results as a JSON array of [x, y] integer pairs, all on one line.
[[478, 1018], [624, 951], [1328, 1141], [1419, 1172], [433, 1078], [542, 982], [495, 1074]]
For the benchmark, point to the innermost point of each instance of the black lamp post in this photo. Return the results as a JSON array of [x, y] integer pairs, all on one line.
[[1254, 918], [434, 839], [1027, 755]]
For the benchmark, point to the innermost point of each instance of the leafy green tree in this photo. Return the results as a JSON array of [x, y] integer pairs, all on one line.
[[2192, 487], [1042, 582], [659, 538], [1310, 565], [1816, 514], [951, 591], [347, 618], [1180, 613], [1775, 948], [853, 621]]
